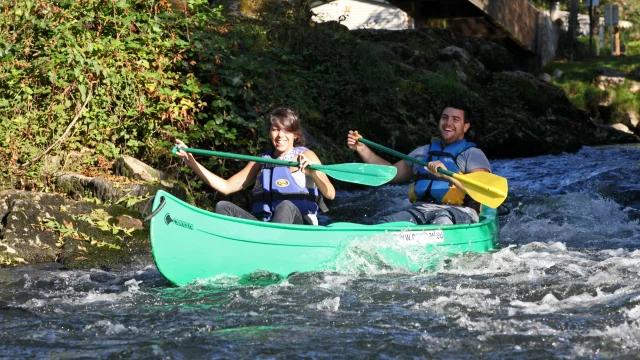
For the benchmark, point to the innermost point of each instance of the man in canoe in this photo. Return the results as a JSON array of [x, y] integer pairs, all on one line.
[[281, 194], [436, 198]]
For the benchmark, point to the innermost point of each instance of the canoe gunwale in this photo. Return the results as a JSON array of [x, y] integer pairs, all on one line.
[[377, 228]]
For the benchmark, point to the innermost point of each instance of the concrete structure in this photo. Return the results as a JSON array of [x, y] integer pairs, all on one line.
[[517, 22], [362, 14], [513, 19], [562, 17]]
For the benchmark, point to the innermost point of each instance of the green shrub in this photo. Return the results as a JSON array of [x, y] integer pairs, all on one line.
[[633, 48], [147, 74]]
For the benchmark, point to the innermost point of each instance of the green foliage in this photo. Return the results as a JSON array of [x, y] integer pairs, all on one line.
[[625, 101], [7, 259], [152, 75], [67, 230], [523, 92], [578, 77], [129, 200], [633, 48], [592, 98]]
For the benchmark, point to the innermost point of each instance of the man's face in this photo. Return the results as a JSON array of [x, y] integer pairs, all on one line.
[[452, 126]]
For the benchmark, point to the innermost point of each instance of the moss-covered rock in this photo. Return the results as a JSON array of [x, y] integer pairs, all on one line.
[[43, 227]]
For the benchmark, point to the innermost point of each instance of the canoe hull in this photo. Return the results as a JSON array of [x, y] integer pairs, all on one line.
[[190, 244]]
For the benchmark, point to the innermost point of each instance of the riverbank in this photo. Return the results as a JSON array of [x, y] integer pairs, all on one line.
[[607, 88]]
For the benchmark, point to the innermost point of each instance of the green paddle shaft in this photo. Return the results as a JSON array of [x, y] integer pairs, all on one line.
[[244, 157], [399, 154], [498, 189], [365, 174]]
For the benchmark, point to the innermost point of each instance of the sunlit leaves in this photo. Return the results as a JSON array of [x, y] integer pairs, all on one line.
[[151, 74]]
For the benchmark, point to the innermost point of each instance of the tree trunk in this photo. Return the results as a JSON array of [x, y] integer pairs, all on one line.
[[573, 24], [590, 30]]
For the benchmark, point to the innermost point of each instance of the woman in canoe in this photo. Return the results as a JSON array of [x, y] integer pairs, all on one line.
[[281, 194]]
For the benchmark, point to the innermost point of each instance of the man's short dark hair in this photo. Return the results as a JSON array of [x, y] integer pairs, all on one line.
[[459, 104]]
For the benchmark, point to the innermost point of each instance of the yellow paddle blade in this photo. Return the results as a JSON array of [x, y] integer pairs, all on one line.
[[486, 188]]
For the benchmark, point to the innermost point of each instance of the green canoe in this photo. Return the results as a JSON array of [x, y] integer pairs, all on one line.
[[190, 244]]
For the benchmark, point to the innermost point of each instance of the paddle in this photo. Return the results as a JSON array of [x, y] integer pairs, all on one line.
[[486, 188], [365, 174]]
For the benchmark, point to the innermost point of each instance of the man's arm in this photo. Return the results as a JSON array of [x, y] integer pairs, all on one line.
[[405, 171]]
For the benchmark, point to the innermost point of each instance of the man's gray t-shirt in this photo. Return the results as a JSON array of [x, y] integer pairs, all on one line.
[[469, 160]]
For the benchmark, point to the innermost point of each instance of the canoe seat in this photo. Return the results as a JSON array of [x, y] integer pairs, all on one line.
[[396, 224], [345, 224], [391, 224]]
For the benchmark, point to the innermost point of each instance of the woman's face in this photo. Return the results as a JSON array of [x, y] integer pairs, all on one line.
[[281, 139]]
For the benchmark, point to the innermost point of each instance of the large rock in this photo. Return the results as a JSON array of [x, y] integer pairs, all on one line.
[[44, 227], [138, 195], [622, 127], [135, 169], [457, 61], [545, 77], [631, 119], [607, 78], [545, 121]]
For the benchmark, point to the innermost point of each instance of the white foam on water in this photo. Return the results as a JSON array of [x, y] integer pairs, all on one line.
[[33, 304], [92, 296], [146, 269], [492, 327], [577, 219], [470, 299], [524, 263], [634, 312], [336, 282], [382, 254], [27, 281], [270, 292], [550, 304], [133, 285], [222, 280], [625, 334], [330, 304], [106, 327]]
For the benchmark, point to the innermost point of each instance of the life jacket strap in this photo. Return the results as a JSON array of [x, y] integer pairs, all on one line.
[[291, 197]]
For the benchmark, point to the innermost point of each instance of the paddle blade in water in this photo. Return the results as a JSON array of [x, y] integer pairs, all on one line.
[[358, 173], [486, 188]]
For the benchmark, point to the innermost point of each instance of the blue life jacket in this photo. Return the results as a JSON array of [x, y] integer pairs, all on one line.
[[276, 184], [428, 188]]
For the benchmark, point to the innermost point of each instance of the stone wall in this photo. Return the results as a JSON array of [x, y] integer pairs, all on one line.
[[547, 43], [518, 17]]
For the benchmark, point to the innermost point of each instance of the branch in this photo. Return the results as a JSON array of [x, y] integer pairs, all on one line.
[[73, 122]]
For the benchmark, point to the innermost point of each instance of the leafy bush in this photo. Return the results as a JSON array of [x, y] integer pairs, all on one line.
[[147, 74], [633, 48]]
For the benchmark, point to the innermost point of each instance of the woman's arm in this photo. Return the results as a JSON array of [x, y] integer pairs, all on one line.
[[307, 158], [237, 182]]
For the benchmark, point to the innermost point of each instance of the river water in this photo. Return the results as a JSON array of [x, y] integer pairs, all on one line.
[[565, 284]]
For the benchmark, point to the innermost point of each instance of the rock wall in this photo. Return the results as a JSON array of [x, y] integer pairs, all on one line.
[[518, 17]]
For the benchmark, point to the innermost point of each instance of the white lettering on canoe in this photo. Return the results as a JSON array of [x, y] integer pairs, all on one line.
[[422, 237]]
